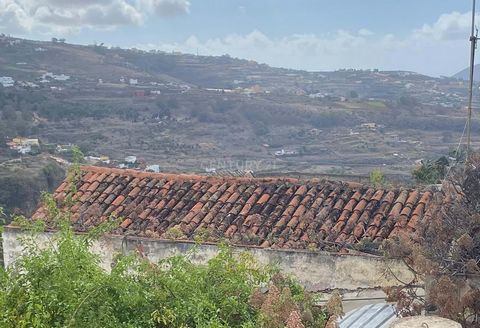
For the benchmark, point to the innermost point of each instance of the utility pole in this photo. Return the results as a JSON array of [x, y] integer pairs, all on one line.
[[473, 47]]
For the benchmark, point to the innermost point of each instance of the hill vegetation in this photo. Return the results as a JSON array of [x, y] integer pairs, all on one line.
[[189, 113], [23, 181]]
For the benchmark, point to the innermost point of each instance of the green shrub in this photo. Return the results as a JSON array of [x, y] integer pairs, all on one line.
[[377, 179], [431, 172], [63, 285]]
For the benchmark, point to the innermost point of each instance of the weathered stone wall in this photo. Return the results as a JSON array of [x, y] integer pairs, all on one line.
[[360, 276]]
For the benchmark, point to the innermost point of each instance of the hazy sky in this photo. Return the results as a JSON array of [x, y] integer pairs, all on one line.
[[427, 36]]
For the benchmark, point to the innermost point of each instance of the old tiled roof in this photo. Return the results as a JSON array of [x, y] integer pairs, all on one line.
[[278, 213]]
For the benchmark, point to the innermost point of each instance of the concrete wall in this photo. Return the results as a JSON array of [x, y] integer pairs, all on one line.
[[361, 277]]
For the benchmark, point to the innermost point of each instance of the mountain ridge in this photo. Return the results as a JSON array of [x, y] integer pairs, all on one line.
[[465, 74]]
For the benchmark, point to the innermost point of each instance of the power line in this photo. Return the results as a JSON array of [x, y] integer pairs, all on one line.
[[473, 46], [456, 153]]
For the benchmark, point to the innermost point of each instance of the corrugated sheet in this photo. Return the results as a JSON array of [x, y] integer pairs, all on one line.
[[369, 316]]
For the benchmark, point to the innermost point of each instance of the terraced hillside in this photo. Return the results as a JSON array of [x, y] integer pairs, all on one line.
[[192, 113]]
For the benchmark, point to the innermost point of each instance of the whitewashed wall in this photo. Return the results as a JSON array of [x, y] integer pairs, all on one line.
[[358, 277]]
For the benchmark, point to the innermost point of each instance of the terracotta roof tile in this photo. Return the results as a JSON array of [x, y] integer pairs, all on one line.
[[93, 177], [265, 212], [84, 186], [412, 197], [378, 195], [351, 205], [118, 200], [63, 186], [339, 204], [110, 177], [126, 223], [134, 191], [263, 199], [233, 197], [301, 190], [85, 197], [93, 186]]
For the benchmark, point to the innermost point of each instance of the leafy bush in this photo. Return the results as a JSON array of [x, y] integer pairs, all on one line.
[[377, 179], [63, 285], [431, 172]]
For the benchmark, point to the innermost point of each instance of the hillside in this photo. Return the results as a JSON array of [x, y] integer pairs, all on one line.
[[192, 113], [23, 181], [465, 74]]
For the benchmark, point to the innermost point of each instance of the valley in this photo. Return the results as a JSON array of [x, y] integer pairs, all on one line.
[[189, 113]]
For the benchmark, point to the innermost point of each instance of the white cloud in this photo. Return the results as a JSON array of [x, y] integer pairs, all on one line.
[[302, 51], [437, 49], [365, 32], [452, 26], [67, 16]]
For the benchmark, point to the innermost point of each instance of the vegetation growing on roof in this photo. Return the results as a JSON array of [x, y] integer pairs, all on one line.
[[377, 179]]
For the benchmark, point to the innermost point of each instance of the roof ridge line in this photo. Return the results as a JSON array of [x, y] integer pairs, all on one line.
[[233, 179], [187, 177]]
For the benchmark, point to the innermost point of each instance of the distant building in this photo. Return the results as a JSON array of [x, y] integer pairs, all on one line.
[[130, 159], [27, 149], [7, 81], [210, 169], [24, 145], [27, 84], [284, 152], [24, 141], [353, 133], [61, 77], [254, 89], [95, 159], [371, 126], [91, 159], [14, 42], [132, 81], [153, 168], [316, 95], [64, 148], [140, 93]]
